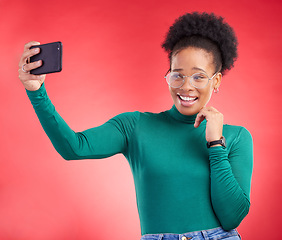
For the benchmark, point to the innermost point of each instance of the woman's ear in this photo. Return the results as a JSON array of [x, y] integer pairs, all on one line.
[[217, 80]]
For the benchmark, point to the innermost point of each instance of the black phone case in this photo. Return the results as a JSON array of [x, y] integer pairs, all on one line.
[[51, 56]]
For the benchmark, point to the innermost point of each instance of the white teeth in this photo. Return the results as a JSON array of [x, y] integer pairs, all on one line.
[[187, 98]]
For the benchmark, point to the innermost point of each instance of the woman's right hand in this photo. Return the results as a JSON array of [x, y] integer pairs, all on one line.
[[31, 82]]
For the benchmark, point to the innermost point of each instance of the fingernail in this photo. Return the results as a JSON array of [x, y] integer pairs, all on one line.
[[36, 50]]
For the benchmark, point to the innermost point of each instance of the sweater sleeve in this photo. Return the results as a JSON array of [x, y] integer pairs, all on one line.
[[231, 179], [98, 142]]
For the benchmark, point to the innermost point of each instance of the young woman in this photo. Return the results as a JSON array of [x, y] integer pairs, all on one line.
[[192, 173]]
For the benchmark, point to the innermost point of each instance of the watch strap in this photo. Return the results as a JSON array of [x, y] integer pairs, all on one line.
[[221, 141]]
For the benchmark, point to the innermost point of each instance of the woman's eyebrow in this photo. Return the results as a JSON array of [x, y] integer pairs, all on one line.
[[200, 69], [194, 68], [177, 70]]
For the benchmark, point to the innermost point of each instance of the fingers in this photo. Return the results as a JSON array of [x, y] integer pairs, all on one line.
[[204, 113], [24, 70], [24, 66], [31, 82], [27, 54], [214, 122], [26, 76], [30, 66], [30, 44], [200, 117]]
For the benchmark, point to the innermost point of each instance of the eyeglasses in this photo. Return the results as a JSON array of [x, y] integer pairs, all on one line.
[[197, 80]]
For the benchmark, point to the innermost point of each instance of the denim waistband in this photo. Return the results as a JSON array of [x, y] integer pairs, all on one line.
[[211, 234]]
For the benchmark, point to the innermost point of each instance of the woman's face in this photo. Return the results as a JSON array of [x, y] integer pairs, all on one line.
[[187, 62]]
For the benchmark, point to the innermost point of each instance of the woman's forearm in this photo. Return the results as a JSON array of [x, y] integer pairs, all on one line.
[[229, 201], [231, 179]]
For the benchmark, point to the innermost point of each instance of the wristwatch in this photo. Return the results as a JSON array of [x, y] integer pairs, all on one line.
[[221, 141]]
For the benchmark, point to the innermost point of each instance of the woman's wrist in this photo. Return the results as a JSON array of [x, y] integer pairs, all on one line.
[[219, 142], [33, 88]]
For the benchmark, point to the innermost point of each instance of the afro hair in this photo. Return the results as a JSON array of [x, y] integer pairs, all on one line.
[[205, 31]]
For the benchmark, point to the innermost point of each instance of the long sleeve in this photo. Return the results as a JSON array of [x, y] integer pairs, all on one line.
[[231, 179], [99, 142]]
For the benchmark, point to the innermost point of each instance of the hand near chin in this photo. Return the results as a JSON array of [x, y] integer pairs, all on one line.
[[214, 123]]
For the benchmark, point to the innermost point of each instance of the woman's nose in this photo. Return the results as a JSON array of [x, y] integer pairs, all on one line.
[[187, 84]]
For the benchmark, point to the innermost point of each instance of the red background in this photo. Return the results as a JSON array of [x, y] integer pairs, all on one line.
[[113, 63]]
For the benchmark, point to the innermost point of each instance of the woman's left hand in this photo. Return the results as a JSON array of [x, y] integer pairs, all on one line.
[[214, 123]]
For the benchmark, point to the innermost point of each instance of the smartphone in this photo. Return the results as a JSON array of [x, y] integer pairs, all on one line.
[[51, 56]]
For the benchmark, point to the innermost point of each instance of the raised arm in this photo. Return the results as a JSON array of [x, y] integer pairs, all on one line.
[[98, 142]]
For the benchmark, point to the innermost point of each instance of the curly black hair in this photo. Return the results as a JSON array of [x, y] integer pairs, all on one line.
[[205, 31]]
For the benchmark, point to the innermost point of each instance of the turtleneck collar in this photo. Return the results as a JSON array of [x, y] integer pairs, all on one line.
[[174, 113]]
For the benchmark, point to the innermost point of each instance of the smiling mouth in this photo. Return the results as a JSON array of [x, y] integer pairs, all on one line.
[[187, 99]]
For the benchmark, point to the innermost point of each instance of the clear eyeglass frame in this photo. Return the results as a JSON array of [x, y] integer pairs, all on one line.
[[167, 76]]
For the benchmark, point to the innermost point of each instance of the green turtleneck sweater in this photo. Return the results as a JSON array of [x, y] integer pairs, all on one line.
[[181, 185]]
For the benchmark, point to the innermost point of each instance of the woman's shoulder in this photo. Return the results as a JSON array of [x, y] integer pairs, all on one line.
[[235, 128], [126, 117], [236, 133], [136, 117]]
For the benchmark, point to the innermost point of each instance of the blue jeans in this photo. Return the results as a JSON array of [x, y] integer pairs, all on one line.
[[211, 234]]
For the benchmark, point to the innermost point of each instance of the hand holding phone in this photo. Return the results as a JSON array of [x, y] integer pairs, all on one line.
[[31, 72], [31, 82], [51, 56]]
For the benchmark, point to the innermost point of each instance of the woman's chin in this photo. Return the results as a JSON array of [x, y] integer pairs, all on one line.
[[186, 110]]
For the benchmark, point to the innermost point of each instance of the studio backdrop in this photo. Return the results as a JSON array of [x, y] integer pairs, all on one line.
[[113, 63]]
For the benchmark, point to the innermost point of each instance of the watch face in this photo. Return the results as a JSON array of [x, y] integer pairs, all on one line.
[[223, 141]]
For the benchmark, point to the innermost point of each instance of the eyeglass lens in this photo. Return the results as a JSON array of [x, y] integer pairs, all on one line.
[[176, 80]]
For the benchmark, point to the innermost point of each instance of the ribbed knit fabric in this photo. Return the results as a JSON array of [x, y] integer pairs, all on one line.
[[181, 185]]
